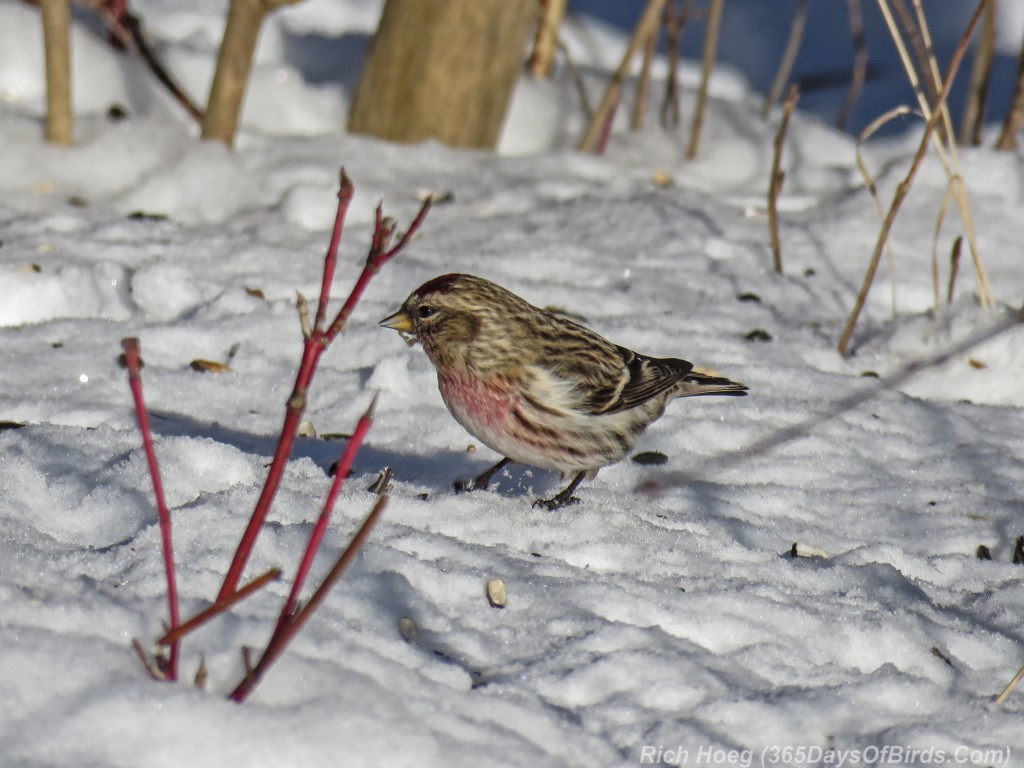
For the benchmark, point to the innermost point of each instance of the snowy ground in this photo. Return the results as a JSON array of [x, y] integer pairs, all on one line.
[[639, 629]]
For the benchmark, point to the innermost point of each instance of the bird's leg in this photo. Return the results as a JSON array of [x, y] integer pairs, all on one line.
[[565, 497], [482, 480]]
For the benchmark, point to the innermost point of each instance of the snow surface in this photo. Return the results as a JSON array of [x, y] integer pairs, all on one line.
[[669, 628]]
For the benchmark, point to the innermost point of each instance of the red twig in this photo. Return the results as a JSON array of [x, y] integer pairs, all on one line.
[[284, 634], [315, 343], [345, 192], [317, 338], [378, 256], [125, 30], [132, 361], [606, 131], [317, 535], [218, 608]]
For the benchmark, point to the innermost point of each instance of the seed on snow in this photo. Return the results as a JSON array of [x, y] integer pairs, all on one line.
[[496, 593]]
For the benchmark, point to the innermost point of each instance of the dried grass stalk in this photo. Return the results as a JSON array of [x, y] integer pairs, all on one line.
[[1015, 117], [796, 36], [778, 176], [644, 83], [973, 119], [707, 62], [860, 62], [869, 180], [598, 125], [904, 186]]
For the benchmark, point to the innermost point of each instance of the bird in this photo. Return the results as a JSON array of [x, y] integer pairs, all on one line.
[[537, 387]]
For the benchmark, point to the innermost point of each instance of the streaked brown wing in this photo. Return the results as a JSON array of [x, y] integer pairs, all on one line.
[[608, 378], [641, 379]]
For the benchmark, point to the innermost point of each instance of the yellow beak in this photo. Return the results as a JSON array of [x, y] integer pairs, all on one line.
[[400, 321]]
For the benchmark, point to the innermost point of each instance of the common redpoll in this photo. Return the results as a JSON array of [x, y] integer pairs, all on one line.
[[536, 387]]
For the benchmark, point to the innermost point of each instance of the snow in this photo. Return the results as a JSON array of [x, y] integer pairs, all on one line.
[[671, 627]]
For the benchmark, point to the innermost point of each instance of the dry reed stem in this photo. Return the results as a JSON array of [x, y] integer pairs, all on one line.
[[860, 62], [869, 181], [778, 176], [924, 102], [954, 266], [796, 36], [930, 66], [577, 79], [935, 244], [950, 165], [675, 20], [1010, 686], [707, 62], [1015, 117], [545, 43], [923, 53], [643, 85], [973, 119], [985, 297], [954, 189], [904, 186], [601, 121]]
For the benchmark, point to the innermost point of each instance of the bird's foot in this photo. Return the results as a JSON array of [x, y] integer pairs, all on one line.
[[557, 502], [481, 481], [465, 486], [565, 497]]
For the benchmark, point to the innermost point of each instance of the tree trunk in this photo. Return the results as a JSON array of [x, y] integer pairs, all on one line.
[[442, 69], [234, 63]]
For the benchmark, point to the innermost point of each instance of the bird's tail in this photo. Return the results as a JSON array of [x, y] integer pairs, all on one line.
[[696, 383]]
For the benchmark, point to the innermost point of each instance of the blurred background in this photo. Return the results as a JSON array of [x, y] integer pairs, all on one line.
[[754, 34]]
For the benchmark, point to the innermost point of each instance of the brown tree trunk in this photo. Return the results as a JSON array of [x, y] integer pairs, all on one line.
[[57, 44], [442, 69], [234, 62]]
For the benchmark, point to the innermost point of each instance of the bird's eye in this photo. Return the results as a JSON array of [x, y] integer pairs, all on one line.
[[426, 311]]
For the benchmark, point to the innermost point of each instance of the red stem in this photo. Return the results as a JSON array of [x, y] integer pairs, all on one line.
[[132, 360], [345, 192], [216, 609], [282, 637], [293, 415], [320, 529], [378, 256], [314, 347]]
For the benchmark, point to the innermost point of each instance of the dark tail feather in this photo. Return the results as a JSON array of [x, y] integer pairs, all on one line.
[[702, 384]]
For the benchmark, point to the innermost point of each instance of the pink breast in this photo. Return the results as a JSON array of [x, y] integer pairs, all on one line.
[[485, 403]]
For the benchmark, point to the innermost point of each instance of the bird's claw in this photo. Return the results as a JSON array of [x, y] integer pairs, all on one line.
[[556, 503], [464, 486]]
